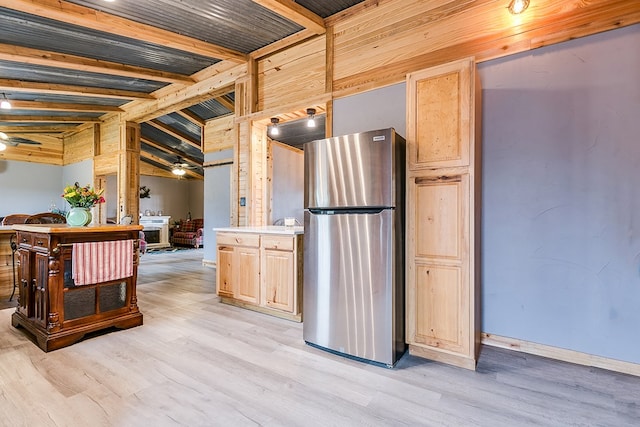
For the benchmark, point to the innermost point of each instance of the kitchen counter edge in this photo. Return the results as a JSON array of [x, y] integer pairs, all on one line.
[[267, 229]]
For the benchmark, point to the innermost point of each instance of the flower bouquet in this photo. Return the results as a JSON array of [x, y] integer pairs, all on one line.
[[81, 200], [82, 197]]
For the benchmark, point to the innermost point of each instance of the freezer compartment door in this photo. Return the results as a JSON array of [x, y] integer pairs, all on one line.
[[350, 171], [350, 304]]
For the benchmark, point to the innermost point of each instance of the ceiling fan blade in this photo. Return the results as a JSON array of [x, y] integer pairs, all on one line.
[[14, 141]]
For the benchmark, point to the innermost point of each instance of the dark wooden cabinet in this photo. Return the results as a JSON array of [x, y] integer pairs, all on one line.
[[50, 305]]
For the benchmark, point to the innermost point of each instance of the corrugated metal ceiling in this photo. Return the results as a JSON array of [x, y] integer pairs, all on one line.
[[182, 147], [71, 99], [31, 31], [182, 125], [36, 73], [326, 8], [241, 25], [210, 109]]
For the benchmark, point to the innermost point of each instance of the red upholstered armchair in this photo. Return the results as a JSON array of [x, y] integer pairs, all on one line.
[[188, 232]]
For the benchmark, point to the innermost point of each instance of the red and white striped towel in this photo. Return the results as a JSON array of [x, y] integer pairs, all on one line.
[[98, 262]]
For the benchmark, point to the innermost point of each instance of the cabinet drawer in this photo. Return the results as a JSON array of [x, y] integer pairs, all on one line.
[[40, 241], [238, 239], [283, 243], [24, 239]]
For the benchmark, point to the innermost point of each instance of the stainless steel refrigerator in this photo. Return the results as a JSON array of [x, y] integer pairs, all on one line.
[[353, 292]]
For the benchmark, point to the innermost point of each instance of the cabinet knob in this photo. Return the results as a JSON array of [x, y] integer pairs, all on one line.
[[24, 240], [39, 242]]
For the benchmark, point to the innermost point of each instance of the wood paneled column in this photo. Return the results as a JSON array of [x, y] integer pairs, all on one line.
[[129, 171]]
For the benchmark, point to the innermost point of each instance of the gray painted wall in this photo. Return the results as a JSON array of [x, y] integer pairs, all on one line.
[[288, 183], [561, 254], [174, 197], [561, 200], [32, 187], [80, 172], [377, 109], [217, 200]]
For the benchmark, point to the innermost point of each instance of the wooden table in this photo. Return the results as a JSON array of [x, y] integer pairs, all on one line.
[[50, 305], [6, 265]]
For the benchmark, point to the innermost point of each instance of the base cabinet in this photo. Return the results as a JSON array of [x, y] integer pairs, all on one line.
[[261, 272]]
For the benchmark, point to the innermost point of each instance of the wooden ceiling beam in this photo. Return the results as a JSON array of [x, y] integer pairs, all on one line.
[[47, 119], [175, 133], [294, 12], [10, 85], [79, 63], [226, 102], [97, 20], [192, 117], [169, 165], [56, 106], [217, 80], [40, 137], [282, 44], [157, 145], [59, 128]]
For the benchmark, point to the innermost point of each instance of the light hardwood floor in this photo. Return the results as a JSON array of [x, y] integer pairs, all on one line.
[[196, 362]]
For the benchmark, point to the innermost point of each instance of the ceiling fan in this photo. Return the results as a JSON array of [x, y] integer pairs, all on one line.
[[179, 167], [14, 141]]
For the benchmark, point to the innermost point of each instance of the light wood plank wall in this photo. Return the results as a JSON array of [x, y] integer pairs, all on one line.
[[49, 152], [377, 43], [106, 163], [258, 159], [79, 146], [243, 173], [293, 75], [219, 134]]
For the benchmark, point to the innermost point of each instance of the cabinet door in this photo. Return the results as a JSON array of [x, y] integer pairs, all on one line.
[[247, 261], [439, 309], [40, 300], [278, 279], [439, 116], [224, 270], [25, 300]]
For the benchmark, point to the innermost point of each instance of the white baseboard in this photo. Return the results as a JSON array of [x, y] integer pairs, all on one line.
[[561, 354], [209, 263]]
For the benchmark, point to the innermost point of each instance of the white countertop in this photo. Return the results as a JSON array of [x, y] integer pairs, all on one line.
[[266, 229]]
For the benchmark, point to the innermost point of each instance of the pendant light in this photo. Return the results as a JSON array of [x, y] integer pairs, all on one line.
[[311, 120], [273, 130]]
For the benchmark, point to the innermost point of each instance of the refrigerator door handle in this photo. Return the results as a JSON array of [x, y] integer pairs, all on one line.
[[342, 211]]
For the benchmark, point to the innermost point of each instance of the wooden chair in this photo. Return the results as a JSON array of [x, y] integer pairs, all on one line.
[[9, 220], [15, 219], [46, 218]]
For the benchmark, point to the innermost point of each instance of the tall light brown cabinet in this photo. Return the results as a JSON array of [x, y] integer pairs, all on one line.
[[443, 182]]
